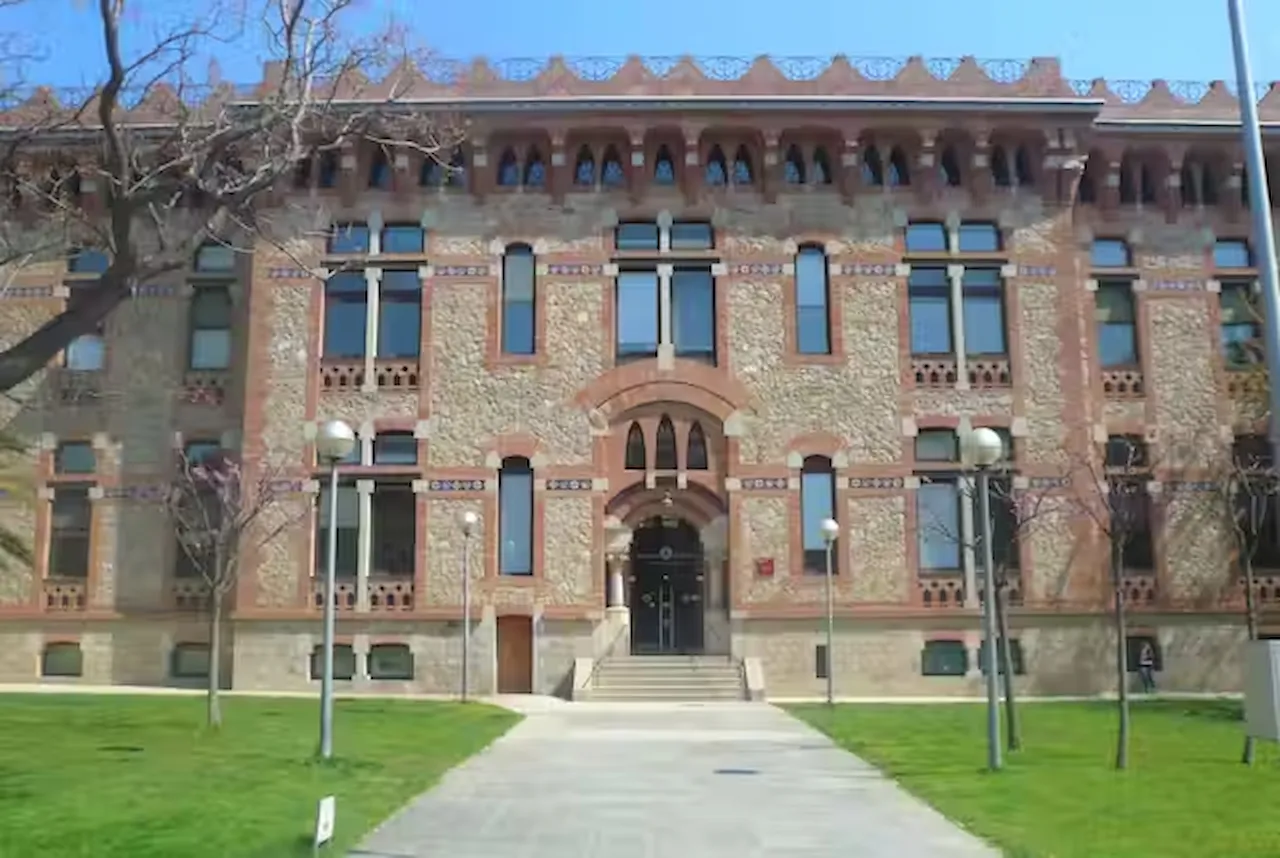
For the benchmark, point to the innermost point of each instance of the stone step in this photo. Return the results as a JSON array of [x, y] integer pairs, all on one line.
[[669, 682], [667, 678], [656, 670], [634, 694]]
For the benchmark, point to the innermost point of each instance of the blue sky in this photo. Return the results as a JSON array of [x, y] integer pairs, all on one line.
[[1118, 39]]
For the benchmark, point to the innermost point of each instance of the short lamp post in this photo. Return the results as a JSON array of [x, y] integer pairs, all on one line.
[[468, 522], [985, 450], [830, 530], [334, 442]]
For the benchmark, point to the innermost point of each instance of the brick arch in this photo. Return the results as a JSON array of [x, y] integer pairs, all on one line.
[[816, 444], [625, 387], [696, 504]]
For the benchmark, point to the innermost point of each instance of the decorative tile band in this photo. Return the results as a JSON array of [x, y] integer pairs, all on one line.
[[289, 274], [767, 269], [876, 482], [1037, 271], [151, 290], [1191, 486], [153, 492], [569, 485], [585, 269], [870, 269], [455, 485], [764, 483], [462, 271], [1176, 285], [288, 485], [20, 293], [1048, 482]]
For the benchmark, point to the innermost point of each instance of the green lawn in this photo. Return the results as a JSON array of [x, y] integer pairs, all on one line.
[[135, 777], [1184, 794]]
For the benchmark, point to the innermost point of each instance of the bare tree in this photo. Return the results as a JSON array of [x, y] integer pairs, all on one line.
[[1246, 492], [161, 156], [218, 514]]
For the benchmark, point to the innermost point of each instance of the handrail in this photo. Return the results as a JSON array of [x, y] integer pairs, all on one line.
[[608, 651]]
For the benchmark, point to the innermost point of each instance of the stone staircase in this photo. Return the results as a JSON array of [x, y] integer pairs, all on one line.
[[666, 677]]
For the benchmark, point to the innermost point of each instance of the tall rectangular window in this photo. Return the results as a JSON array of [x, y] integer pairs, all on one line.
[[395, 528], [346, 304], [515, 517], [87, 352], [938, 524], [348, 554], [693, 313], [519, 321], [71, 516], [637, 314], [399, 314], [1117, 324], [983, 310], [817, 504], [813, 295], [929, 295], [1241, 325], [210, 345], [395, 448]]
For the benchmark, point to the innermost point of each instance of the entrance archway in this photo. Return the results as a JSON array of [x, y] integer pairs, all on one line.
[[667, 588]]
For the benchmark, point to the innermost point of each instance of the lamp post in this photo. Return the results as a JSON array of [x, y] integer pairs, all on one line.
[[1259, 206], [334, 441], [985, 449], [830, 530], [467, 521]]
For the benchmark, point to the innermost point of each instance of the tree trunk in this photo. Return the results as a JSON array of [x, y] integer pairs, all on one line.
[[1251, 633], [1013, 733], [1122, 665], [215, 658]]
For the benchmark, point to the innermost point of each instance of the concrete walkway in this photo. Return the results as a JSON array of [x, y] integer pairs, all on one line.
[[637, 780]]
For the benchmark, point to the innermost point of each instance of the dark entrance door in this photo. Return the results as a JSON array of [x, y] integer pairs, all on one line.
[[666, 588]]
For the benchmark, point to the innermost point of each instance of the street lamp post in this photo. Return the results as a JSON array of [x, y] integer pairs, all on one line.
[[334, 441], [830, 530], [986, 449], [1264, 241], [468, 521]]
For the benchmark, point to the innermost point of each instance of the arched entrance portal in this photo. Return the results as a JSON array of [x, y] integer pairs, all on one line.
[[666, 588]]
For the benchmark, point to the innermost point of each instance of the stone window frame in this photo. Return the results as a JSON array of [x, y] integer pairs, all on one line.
[[522, 466], [829, 447], [598, 147], [806, 150], [59, 645], [375, 648], [835, 355], [177, 655], [343, 652], [94, 486], [495, 356], [944, 647], [813, 561], [1137, 468], [1016, 654]]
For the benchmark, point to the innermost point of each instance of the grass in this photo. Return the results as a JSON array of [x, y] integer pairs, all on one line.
[[115, 776], [1185, 792]]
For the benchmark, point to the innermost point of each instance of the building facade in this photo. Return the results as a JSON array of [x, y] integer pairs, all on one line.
[[665, 321]]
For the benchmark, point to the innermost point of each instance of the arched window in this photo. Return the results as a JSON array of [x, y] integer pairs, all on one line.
[[535, 172], [431, 175], [821, 167], [515, 517], [635, 458], [872, 168], [611, 174], [742, 172], [793, 167], [899, 172], [379, 170], [1148, 182], [584, 172], [86, 353], [1022, 167], [508, 169], [1208, 184], [813, 297], [519, 304], [1244, 187], [717, 174], [665, 455], [458, 169], [817, 504], [1000, 174], [1128, 182], [302, 172], [950, 167], [328, 175], [695, 454], [664, 168], [1190, 184]]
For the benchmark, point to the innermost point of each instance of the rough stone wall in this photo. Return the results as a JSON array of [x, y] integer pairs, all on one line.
[[877, 541], [567, 557]]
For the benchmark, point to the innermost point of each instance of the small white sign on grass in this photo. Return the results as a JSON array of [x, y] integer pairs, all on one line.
[[326, 813]]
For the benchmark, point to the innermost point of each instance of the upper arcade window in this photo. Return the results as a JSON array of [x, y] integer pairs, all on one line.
[[379, 170], [695, 455], [1199, 184], [821, 167], [793, 172], [666, 456], [717, 174], [1137, 181], [535, 172], [949, 166], [742, 172], [664, 167], [899, 173], [872, 167], [508, 169], [611, 173], [635, 458], [327, 176], [584, 172]]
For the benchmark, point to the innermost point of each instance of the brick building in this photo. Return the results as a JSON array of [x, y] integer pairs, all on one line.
[[674, 316]]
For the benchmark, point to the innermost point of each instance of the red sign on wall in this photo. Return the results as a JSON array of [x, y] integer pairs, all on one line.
[[764, 567]]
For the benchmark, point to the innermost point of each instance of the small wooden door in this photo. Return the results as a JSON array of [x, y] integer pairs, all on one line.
[[515, 654]]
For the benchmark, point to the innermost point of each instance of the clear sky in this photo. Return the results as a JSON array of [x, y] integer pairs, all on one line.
[[1118, 39]]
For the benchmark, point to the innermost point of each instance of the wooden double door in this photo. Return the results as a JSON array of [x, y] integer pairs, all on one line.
[[515, 654]]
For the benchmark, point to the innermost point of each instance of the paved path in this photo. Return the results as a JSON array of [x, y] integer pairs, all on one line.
[[657, 780]]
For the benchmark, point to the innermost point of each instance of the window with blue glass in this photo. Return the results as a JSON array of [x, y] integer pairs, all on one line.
[[347, 557], [535, 172], [978, 238], [926, 238], [692, 235], [938, 523], [215, 258], [431, 174], [515, 517], [982, 305], [1232, 253], [395, 448], [664, 167], [872, 167], [349, 238], [821, 167], [929, 299], [327, 174], [380, 170], [1117, 326], [899, 172], [508, 169], [944, 658], [611, 173], [209, 346], [793, 172], [86, 353], [195, 452], [1110, 253], [75, 457], [717, 172], [346, 302], [817, 504], [403, 238], [813, 296], [693, 313], [636, 318], [743, 174], [519, 305], [584, 170], [636, 236], [88, 260], [1241, 325], [399, 314]]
